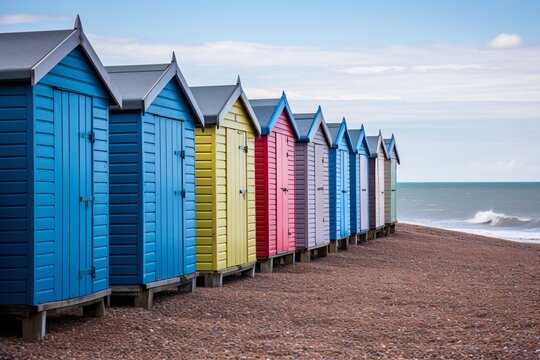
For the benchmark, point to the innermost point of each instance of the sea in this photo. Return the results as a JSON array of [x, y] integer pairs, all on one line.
[[507, 210]]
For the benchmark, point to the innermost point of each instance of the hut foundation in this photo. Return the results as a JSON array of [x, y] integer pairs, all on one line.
[[215, 278], [143, 295], [266, 265]]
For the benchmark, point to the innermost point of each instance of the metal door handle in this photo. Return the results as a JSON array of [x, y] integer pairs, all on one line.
[[320, 188], [284, 189], [343, 191], [364, 190]]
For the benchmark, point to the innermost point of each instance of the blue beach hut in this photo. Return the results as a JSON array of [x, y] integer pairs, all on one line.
[[339, 175], [359, 184], [54, 161], [152, 181]]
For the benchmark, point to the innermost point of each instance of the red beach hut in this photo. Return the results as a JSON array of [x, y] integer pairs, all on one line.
[[274, 182]]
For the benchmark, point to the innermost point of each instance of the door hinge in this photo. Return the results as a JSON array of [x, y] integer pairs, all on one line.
[[181, 153], [91, 136]]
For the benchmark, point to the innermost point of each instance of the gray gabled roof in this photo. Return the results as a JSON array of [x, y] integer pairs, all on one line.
[[268, 112], [264, 109], [216, 101], [309, 123], [354, 134], [304, 122], [333, 129], [141, 84], [391, 145], [374, 143], [32, 55]]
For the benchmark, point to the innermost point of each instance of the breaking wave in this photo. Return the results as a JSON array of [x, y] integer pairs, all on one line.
[[492, 218]]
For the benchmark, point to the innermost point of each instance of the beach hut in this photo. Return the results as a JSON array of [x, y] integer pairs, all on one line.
[[339, 185], [311, 176], [378, 155], [390, 170], [274, 182], [54, 243], [225, 183], [359, 184], [152, 181]]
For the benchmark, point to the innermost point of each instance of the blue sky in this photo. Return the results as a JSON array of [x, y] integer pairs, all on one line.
[[458, 82]]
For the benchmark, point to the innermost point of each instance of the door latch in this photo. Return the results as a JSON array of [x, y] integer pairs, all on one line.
[[284, 189], [91, 136], [86, 200], [181, 153], [91, 272], [243, 148]]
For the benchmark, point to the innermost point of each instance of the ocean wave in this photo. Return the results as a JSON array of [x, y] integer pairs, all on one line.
[[492, 218]]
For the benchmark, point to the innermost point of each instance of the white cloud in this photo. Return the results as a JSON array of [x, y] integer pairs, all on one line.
[[452, 67], [505, 41], [382, 83], [373, 70], [18, 19]]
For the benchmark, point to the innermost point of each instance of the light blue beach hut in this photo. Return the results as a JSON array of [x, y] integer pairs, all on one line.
[[359, 184], [152, 186], [54, 173], [339, 175]]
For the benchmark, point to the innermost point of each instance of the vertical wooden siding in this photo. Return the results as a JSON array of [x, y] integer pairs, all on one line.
[[16, 249], [355, 191], [387, 190], [267, 191], [364, 192], [211, 177], [373, 186], [339, 190]]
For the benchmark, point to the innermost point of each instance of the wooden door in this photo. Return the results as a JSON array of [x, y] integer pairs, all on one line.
[[74, 207], [170, 195], [344, 195], [282, 193], [364, 199], [381, 207], [393, 180], [319, 194], [237, 245]]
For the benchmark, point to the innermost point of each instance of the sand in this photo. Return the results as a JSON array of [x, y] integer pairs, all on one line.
[[421, 293]]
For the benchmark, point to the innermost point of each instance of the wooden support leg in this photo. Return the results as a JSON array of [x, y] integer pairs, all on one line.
[[144, 299], [305, 256], [249, 272], [188, 287], [33, 326], [288, 259], [323, 252], [344, 244], [393, 229], [95, 310], [213, 280], [353, 240], [267, 266], [333, 247]]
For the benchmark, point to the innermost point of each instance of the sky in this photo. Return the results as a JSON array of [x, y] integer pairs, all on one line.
[[457, 82]]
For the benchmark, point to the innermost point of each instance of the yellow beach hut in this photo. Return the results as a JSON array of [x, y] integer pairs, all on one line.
[[225, 183]]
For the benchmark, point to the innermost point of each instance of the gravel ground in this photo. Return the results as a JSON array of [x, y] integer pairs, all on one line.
[[421, 293]]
